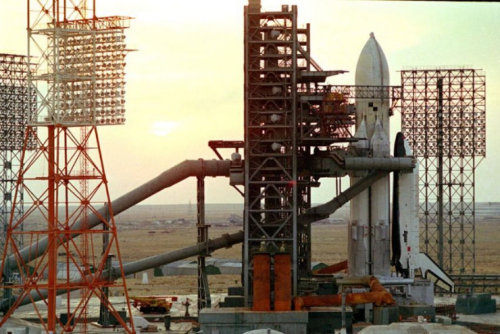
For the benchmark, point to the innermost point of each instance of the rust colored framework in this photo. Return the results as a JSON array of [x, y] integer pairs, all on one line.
[[291, 115], [444, 119], [78, 83]]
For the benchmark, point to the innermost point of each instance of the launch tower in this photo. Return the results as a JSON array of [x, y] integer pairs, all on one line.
[[281, 130]]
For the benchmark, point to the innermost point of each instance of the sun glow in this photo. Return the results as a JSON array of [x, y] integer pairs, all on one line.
[[163, 128]]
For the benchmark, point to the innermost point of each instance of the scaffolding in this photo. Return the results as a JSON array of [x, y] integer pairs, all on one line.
[[443, 116], [287, 118], [78, 84], [15, 111]]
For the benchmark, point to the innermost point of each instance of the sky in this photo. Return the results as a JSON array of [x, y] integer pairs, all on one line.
[[185, 81]]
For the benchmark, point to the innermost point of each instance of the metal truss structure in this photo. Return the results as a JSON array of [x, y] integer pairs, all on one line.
[[78, 83], [288, 115], [16, 108], [204, 299], [80, 77], [443, 116]]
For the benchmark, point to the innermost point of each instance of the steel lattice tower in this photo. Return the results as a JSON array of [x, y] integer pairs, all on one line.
[[444, 119], [79, 84], [14, 116], [288, 115]]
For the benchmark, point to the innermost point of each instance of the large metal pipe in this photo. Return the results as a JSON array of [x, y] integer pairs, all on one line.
[[378, 163], [224, 241], [166, 179], [227, 240], [325, 210], [377, 295]]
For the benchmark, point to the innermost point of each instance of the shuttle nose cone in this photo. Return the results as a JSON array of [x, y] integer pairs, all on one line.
[[372, 69]]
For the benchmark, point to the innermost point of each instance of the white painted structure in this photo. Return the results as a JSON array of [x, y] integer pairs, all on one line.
[[369, 237]]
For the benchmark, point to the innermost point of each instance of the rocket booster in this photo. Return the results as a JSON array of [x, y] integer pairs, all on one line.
[[358, 245]]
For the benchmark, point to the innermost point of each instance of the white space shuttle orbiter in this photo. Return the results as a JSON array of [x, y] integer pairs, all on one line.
[[369, 235]]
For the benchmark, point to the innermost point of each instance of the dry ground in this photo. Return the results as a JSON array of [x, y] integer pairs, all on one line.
[[153, 235]]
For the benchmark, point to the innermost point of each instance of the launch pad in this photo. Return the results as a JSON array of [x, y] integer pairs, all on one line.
[[298, 130]]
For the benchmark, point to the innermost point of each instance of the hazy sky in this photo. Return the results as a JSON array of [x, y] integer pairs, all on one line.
[[185, 82]]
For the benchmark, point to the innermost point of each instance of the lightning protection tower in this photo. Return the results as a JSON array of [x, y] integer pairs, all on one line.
[[79, 85], [14, 115], [443, 116]]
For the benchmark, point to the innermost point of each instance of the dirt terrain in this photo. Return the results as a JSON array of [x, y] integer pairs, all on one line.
[[150, 230]]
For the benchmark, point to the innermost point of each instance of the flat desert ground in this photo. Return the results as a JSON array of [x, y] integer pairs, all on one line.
[[152, 229]]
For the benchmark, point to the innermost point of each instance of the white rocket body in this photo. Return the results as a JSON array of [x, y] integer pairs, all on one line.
[[372, 70], [380, 208], [370, 209], [358, 232]]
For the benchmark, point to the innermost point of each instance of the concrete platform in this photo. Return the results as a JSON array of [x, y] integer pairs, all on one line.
[[416, 328], [238, 320]]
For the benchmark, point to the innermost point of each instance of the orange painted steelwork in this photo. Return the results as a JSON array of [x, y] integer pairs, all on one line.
[[52, 226], [378, 295], [282, 282], [57, 198], [261, 282]]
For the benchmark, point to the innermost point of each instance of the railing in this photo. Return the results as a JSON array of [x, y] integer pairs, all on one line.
[[477, 283]]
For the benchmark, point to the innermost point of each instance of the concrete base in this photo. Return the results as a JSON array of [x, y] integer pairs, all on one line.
[[384, 315], [422, 292], [413, 311], [413, 328], [240, 320], [325, 320], [233, 301], [19, 326], [479, 303]]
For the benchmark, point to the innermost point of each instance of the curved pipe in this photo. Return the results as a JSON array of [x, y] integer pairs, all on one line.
[[378, 295], [166, 179], [169, 178]]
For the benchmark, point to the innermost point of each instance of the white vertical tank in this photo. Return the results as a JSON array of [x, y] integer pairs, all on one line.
[[358, 231], [371, 207], [380, 208]]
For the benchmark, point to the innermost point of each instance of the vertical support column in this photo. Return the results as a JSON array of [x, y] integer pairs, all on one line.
[[282, 282], [261, 282], [440, 180], [52, 235], [104, 319], [204, 299], [294, 130]]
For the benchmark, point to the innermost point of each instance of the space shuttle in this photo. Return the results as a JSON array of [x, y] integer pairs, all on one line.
[[371, 235]]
